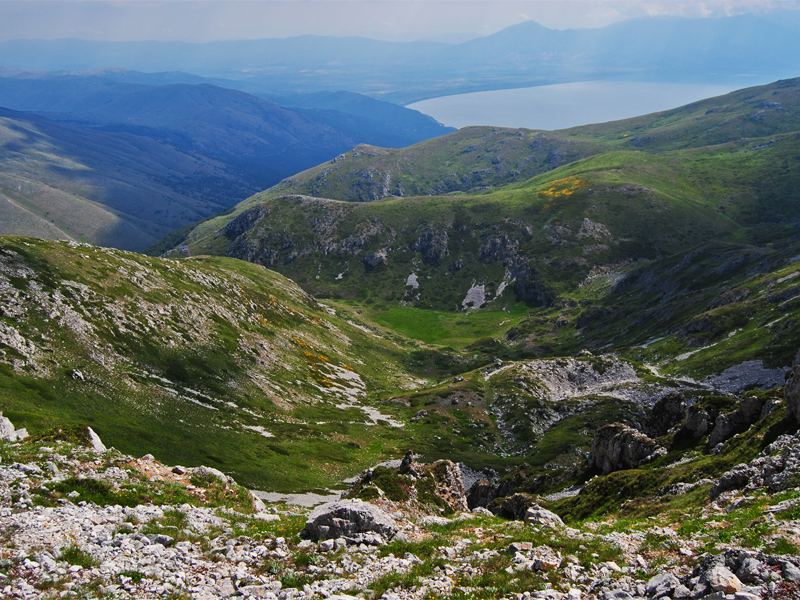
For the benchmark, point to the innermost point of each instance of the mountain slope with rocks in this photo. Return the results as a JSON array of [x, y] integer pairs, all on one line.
[[77, 518], [210, 359]]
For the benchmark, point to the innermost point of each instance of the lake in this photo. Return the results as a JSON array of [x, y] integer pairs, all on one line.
[[567, 104]]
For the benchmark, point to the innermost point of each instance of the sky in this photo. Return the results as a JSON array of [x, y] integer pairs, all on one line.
[[394, 20]]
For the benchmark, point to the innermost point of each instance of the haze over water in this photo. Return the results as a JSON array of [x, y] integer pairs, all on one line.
[[568, 104]]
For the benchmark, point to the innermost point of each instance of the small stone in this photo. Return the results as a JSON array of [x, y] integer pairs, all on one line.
[[662, 585], [681, 592], [148, 457], [225, 588], [790, 571], [751, 570], [611, 566], [480, 510], [722, 580], [536, 515]]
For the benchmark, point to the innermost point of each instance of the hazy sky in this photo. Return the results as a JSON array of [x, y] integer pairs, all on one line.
[[197, 21]]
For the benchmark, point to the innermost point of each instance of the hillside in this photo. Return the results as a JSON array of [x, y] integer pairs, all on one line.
[[210, 360], [627, 191]]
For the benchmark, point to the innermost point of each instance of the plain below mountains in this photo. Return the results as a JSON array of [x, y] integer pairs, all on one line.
[[123, 164]]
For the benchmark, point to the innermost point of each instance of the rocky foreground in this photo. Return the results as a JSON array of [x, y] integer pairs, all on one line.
[[78, 520]]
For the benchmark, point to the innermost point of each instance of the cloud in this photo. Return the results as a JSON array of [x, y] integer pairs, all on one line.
[[207, 20]]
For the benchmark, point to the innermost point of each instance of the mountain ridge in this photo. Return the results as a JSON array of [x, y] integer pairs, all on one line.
[[663, 52]]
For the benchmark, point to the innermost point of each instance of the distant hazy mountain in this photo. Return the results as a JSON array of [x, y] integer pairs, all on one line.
[[112, 189], [123, 164], [522, 55]]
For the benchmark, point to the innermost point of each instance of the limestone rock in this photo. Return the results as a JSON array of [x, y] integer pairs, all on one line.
[[7, 431], [617, 446], [536, 515], [662, 585], [449, 485], [722, 580], [97, 444], [695, 423], [348, 518], [726, 426]]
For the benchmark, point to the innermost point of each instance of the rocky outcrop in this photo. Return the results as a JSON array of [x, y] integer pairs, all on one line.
[[696, 422], [515, 506], [527, 285], [483, 492], [433, 246], [792, 390], [728, 425], [776, 468], [617, 446], [354, 520], [449, 485], [8, 432], [668, 412], [376, 259]]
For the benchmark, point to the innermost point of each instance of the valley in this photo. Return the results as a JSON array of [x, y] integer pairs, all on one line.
[[97, 158], [532, 364]]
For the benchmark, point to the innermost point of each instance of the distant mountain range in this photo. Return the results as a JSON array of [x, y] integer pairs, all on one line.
[[522, 55], [134, 149]]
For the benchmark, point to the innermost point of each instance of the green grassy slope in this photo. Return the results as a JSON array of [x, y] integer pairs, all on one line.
[[478, 158], [551, 231], [211, 361]]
